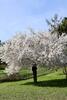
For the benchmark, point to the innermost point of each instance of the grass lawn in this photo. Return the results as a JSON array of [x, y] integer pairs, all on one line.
[[52, 86]]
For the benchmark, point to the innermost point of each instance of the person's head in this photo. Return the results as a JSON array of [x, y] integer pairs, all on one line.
[[34, 64]]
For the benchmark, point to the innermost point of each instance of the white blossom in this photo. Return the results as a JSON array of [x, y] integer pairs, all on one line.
[[40, 48]]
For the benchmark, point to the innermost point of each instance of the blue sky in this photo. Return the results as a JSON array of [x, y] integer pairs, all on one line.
[[20, 15]]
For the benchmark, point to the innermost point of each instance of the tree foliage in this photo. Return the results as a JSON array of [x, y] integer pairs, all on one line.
[[57, 25], [63, 26], [54, 24], [41, 48]]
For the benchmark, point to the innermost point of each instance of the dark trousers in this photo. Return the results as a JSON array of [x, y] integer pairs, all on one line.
[[35, 77]]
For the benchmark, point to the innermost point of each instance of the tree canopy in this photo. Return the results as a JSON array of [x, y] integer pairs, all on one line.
[[57, 25], [62, 28], [41, 48]]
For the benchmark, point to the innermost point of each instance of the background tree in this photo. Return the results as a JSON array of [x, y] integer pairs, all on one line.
[[62, 28], [54, 24], [57, 25]]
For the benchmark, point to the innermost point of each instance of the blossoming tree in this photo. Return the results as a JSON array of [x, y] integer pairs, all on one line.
[[40, 48]]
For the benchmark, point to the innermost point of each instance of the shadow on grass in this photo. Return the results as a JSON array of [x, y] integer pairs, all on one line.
[[13, 79], [50, 83], [8, 80]]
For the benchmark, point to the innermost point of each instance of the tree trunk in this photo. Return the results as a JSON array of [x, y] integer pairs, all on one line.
[[65, 71], [66, 75], [14, 77]]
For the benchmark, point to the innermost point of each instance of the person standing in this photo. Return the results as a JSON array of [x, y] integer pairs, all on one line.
[[34, 70]]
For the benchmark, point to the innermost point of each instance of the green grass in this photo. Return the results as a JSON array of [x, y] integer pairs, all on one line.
[[26, 73], [52, 86]]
